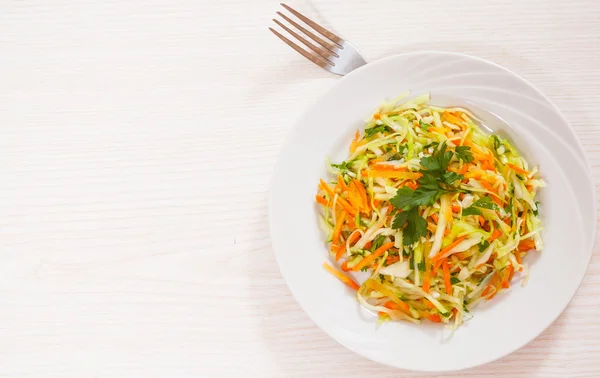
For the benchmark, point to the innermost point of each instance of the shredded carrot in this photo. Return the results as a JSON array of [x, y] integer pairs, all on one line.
[[339, 223], [411, 185], [392, 259], [435, 318], [497, 200], [481, 221], [342, 183], [487, 290], [371, 258], [339, 252], [448, 248], [435, 218], [394, 174], [354, 236], [388, 167], [456, 208], [369, 245], [488, 165], [342, 202], [519, 260], [340, 276], [517, 169], [345, 267], [487, 185], [426, 282], [526, 245], [377, 116], [464, 168], [495, 235], [507, 276], [400, 305], [447, 282], [355, 198], [363, 194], [321, 200]]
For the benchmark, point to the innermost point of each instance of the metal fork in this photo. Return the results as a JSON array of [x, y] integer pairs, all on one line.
[[334, 54]]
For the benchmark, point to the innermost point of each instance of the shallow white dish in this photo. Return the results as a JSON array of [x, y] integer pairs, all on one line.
[[500, 98]]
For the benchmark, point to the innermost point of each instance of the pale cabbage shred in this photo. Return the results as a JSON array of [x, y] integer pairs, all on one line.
[[410, 131]]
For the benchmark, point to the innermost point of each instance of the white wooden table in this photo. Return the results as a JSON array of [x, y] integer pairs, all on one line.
[[137, 141]]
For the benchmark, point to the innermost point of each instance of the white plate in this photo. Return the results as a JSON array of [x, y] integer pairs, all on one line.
[[541, 133]]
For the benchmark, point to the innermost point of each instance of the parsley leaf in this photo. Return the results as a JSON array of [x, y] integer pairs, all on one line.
[[407, 198], [454, 280], [421, 266], [438, 163], [483, 245], [471, 211], [430, 163], [414, 225], [343, 166], [434, 173], [432, 144], [428, 182], [484, 203], [537, 208], [377, 129], [450, 177], [464, 153]]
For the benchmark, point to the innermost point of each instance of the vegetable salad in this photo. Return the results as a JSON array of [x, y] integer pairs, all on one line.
[[439, 213]]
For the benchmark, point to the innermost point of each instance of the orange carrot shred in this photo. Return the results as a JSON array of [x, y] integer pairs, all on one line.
[[426, 282], [371, 258], [448, 248], [400, 305], [340, 276], [338, 227], [345, 267], [517, 169], [495, 235], [526, 245], [481, 221], [447, 282], [321, 200]]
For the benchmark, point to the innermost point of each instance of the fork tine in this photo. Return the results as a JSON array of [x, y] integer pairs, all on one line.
[[320, 41], [325, 64], [338, 41], [324, 54]]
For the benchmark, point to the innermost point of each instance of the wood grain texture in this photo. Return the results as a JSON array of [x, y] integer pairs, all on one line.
[[137, 140]]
